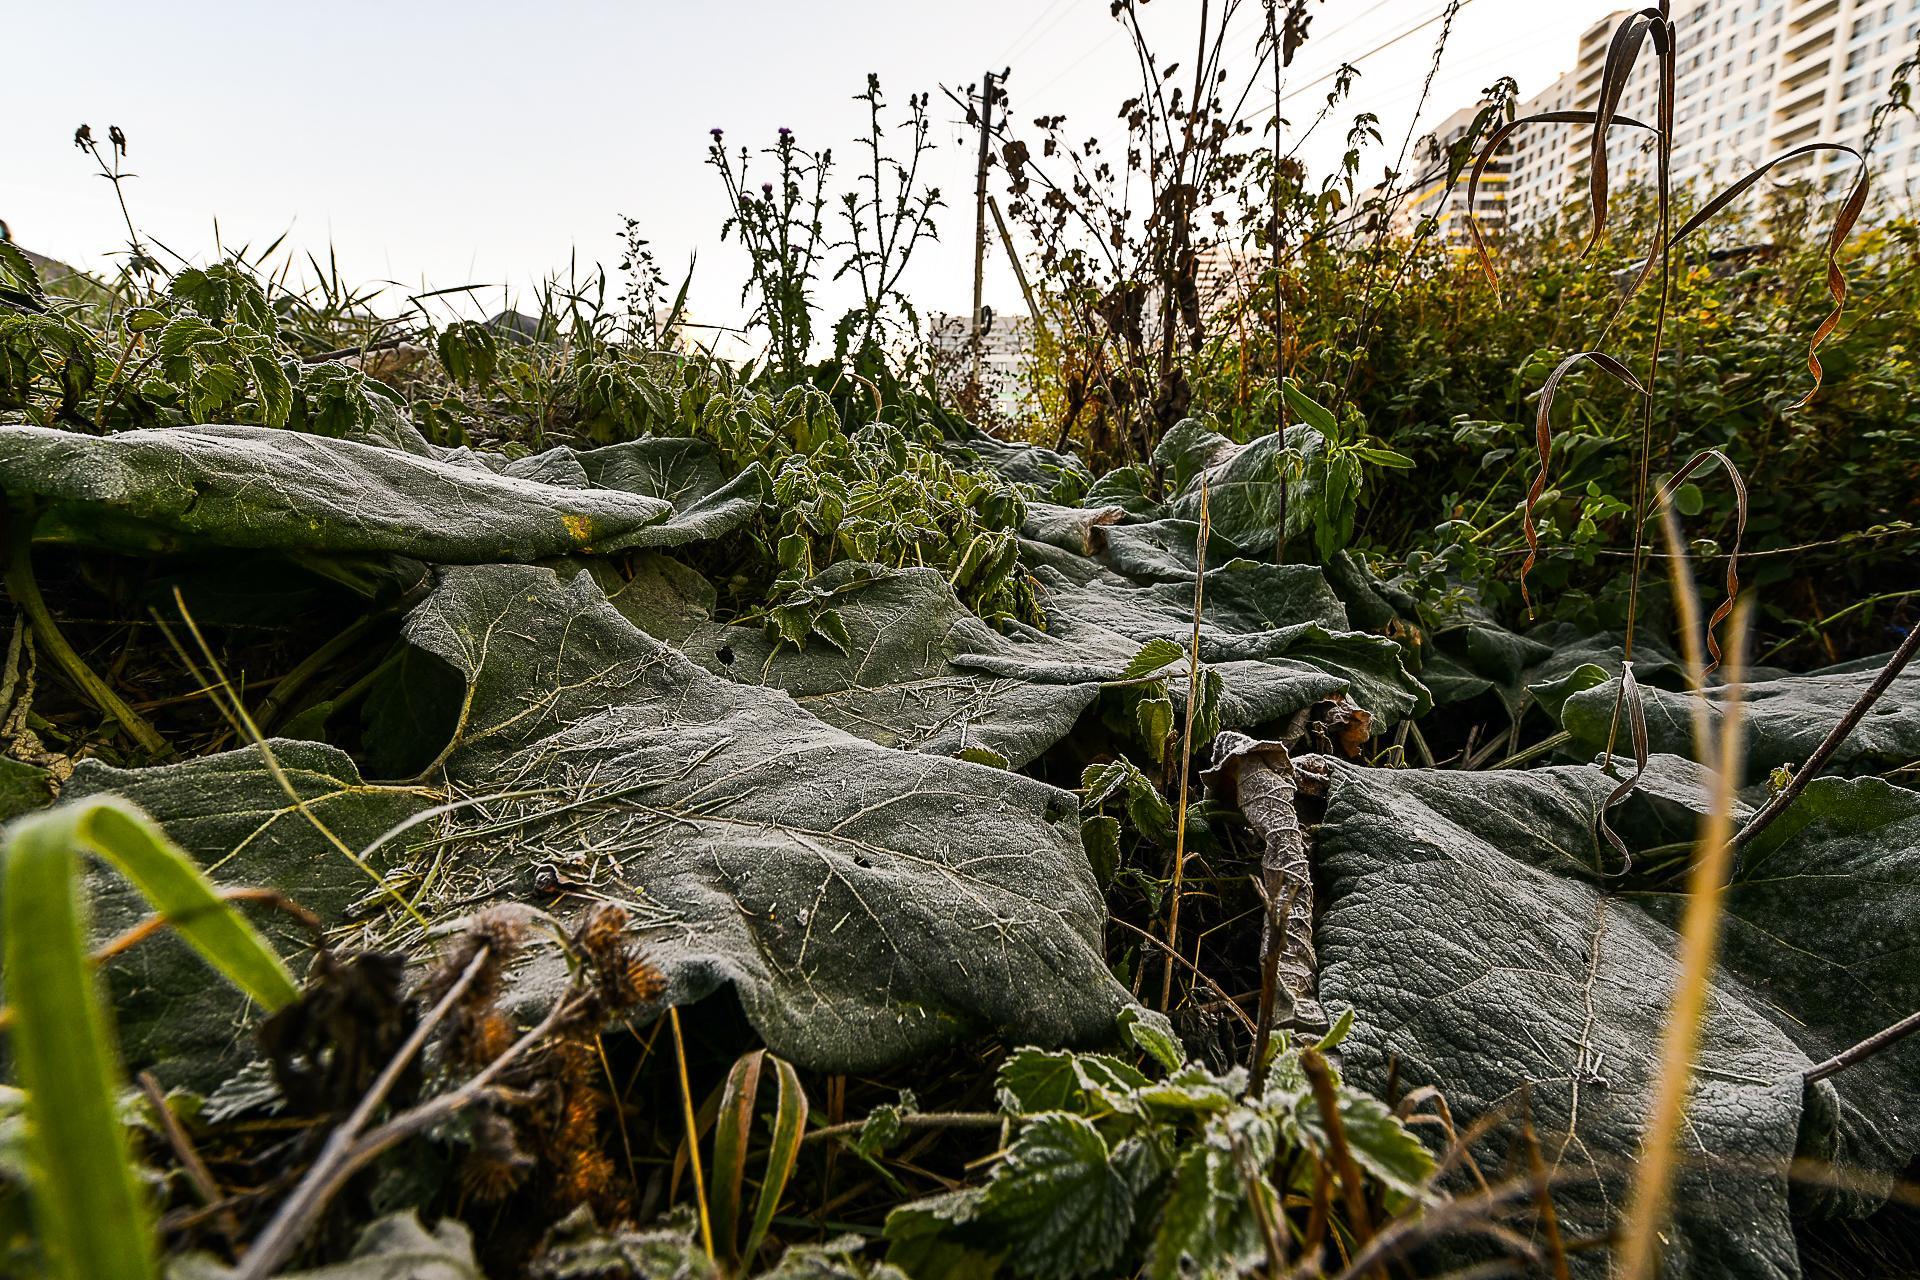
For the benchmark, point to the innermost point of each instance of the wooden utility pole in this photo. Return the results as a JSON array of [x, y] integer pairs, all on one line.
[[980, 226]]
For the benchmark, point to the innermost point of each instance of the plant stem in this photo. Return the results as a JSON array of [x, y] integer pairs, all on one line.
[[1865, 1049], [25, 590], [1186, 750], [1824, 752], [928, 1120]]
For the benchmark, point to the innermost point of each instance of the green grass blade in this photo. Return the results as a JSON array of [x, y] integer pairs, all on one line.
[[176, 888], [733, 1131], [789, 1125], [86, 1201]]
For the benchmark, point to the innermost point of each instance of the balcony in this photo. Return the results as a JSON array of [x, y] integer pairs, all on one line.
[[1792, 106], [1811, 15]]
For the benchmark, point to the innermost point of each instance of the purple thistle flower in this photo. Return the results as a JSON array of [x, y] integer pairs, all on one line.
[[716, 133], [766, 189], [786, 134]]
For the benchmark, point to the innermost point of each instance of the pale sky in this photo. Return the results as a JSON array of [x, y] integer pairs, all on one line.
[[442, 144]]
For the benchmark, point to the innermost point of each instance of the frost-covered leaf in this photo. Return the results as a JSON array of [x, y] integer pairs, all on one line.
[[242, 829], [905, 677], [1033, 1080], [866, 904], [1784, 717], [396, 1247], [1460, 923], [1209, 1227], [240, 486], [1062, 1198]]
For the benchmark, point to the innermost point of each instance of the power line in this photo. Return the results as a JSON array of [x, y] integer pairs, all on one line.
[[1260, 31], [1056, 11], [1383, 45]]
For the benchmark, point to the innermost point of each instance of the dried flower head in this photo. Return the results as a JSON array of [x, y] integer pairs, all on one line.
[[494, 1165], [621, 976]]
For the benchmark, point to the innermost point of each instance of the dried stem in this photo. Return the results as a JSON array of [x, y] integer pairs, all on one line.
[[335, 1161], [1186, 749], [1865, 1049], [1838, 735], [1638, 1257]]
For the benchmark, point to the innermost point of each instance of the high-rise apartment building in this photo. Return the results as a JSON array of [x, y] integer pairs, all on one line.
[[1430, 195], [1755, 78]]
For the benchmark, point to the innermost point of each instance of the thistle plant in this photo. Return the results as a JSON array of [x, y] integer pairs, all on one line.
[[781, 225], [886, 217]]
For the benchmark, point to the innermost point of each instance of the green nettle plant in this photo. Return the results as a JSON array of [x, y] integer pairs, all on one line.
[[1107, 1172]]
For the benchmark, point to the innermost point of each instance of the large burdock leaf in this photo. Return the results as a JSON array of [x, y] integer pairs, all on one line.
[[908, 677], [1277, 634], [1784, 717], [1460, 921], [257, 487], [920, 672], [242, 828], [865, 903]]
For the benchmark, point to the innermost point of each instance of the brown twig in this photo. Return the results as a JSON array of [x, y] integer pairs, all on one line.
[[336, 1159], [1865, 1049], [1824, 752], [196, 1169]]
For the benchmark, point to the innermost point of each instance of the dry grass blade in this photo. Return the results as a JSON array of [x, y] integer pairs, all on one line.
[[693, 1131], [1843, 224], [1739, 483], [1543, 441], [1638, 1255], [1622, 53], [1637, 733], [1340, 1155], [1492, 146], [732, 1133]]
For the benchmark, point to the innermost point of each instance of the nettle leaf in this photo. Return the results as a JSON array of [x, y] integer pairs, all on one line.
[[1032, 1080], [1209, 1227], [1121, 781], [1154, 654], [1151, 1032], [1063, 1199], [1153, 724]]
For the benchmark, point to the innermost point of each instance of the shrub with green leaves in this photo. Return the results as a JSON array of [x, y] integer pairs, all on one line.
[[1108, 1172]]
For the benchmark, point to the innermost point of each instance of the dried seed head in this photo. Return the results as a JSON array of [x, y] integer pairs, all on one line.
[[495, 1164], [621, 976]]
